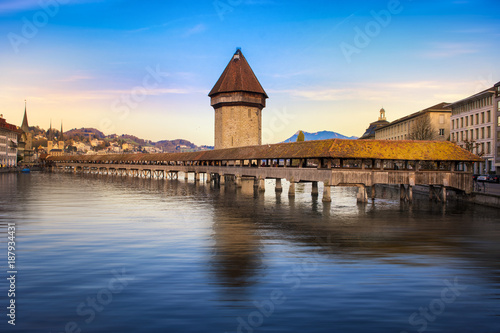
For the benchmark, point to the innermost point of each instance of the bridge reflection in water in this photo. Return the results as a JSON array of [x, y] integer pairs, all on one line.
[[359, 163]]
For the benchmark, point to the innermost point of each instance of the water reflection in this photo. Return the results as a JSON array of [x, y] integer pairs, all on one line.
[[201, 255]]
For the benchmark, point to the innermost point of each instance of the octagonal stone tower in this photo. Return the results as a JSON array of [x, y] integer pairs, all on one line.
[[238, 100]]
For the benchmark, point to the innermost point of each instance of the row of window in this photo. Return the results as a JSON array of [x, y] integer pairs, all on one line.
[[469, 134], [473, 105], [6, 151], [465, 121], [441, 132]]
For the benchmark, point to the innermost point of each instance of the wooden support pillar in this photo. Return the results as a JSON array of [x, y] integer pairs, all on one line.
[[278, 188], [402, 192], [186, 175], [431, 192], [314, 191], [291, 189], [327, 192], [222, 179], [362, 197], [262, 184], [373, 191], [209, 177], [237, 181], [410, 193], [443, 194], [197, 176]]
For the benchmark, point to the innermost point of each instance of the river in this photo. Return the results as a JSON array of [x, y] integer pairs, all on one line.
[[117, 254]]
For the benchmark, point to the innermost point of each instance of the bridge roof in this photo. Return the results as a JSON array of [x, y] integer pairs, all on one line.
[[335, 148]]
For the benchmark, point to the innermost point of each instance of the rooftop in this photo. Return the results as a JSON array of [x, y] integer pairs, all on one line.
[[334, 148], [441, 107], [238, 77]]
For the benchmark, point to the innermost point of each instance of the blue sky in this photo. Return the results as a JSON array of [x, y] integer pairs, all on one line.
[[145, 67]]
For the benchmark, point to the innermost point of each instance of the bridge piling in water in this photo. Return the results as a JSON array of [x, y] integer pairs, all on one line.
[[291, 188], [278, 188], [327, 192], [314, 190]]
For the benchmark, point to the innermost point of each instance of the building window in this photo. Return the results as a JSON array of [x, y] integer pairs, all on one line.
[[488, 117], [482, 117], [482, 132], [477, 133], [462, 122], [472, 135], [441, 131], [471, 120], [477, 118], [441, 118], [466, 121], [488, 148], [489, 132]]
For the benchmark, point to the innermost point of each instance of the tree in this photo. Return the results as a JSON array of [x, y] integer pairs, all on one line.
[[422, 129], [300, 137], [471, 145]]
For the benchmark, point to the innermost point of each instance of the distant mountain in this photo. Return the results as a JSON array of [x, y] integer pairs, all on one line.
[[85, 132], [169, 146], [323, 135]]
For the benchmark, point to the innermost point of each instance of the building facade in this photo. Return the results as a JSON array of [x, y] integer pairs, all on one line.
[[370, 131], [8, 143], [497, 126], [429, 124], [238, 100], [474, 126]]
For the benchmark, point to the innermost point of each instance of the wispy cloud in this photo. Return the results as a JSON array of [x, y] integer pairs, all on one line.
[[17, 5], [438, 91], [10, 6], [75, 78], [199, 28], [449, 50]]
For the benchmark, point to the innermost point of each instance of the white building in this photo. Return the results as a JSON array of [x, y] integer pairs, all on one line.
[[474, 126], [8, 143]]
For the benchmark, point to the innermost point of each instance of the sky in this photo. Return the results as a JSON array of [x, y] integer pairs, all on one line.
[[145, 68]]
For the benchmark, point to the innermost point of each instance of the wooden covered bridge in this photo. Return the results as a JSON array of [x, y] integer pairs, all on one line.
[[360, 163]]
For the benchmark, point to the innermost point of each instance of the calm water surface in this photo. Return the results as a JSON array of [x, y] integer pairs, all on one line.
[[111, 254]]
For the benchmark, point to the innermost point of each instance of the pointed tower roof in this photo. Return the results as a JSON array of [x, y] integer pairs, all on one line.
[[62, 135], [238, 77], [25, 126]]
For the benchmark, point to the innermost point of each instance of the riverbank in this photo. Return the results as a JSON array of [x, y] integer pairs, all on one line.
[[8, 170], [487, 197]]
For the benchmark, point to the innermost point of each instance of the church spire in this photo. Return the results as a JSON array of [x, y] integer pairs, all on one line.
[[61, 136], [51, 133], [382, 114], [25, 126]]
